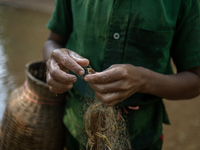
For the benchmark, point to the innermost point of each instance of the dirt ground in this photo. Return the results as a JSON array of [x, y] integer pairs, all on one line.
[[184, 131]]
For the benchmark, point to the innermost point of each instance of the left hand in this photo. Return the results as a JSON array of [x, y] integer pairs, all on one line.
[[116, 83]]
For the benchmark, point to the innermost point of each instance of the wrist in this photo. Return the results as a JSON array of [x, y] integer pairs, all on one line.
[[145, 78]]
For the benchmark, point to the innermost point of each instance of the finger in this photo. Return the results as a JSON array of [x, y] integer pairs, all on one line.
[[58, 85], [63, 58], [58, 74], [110, 98], [56, 90], [109, 87], [107, 76], [79, 59]]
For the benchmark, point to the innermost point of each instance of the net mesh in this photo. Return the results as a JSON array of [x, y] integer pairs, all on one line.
[[105, 128]]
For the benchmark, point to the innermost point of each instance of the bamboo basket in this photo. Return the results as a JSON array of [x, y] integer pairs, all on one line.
[[33, 116]]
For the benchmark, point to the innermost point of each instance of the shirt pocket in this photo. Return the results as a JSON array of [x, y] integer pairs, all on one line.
[[150, 38], [147, 48]]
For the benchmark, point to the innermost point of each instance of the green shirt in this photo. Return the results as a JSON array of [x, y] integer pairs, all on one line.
[[145, 33]]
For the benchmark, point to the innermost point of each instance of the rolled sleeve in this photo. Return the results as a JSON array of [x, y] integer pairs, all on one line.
[[185, 49], [61, 19]]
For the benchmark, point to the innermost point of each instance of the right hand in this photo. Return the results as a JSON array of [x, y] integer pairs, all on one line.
[[61, 61]]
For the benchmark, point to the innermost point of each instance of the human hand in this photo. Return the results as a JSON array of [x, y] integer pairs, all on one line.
[[58, 66], [116, 83]]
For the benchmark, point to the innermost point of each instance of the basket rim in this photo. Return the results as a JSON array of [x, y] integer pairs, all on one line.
[[29, 75]]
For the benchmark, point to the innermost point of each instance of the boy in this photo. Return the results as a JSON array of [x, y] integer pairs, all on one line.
[[130, 44]]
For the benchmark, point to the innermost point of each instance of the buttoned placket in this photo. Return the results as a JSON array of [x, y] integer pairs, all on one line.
[[117, 33]]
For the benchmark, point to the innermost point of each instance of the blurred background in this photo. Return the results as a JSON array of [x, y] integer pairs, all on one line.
[[22, 35]]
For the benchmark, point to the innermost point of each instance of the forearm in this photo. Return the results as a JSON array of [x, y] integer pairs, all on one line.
[[49, 46], [53, 42], [183, 85]]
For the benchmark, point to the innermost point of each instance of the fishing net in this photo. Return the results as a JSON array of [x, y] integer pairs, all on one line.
[[105, 128]]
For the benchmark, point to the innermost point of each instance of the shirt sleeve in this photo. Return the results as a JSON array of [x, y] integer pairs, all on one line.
[[185, 49], [61, 19]]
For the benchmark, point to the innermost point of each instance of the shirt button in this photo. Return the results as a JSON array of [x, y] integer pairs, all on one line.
[[116, 36]]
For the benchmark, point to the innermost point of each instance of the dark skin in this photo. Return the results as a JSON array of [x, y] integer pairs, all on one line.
[[119, 81]]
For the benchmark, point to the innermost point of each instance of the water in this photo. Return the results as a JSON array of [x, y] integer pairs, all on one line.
[[22, 35]]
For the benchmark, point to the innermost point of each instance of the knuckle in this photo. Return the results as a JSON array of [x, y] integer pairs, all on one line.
[[124, 73], [104, 78], [126, 85], [64, 60], [54, 53], [101, 89]]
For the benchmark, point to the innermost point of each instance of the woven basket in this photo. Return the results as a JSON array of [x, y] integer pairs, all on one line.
[[33, 116]]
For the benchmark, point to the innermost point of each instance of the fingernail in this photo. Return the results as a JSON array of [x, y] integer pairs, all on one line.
[[74, 79], [81, 73], [85, 78], [70, 86]]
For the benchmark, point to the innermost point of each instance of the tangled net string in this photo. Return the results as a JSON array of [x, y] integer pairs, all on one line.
[[103, 130]]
